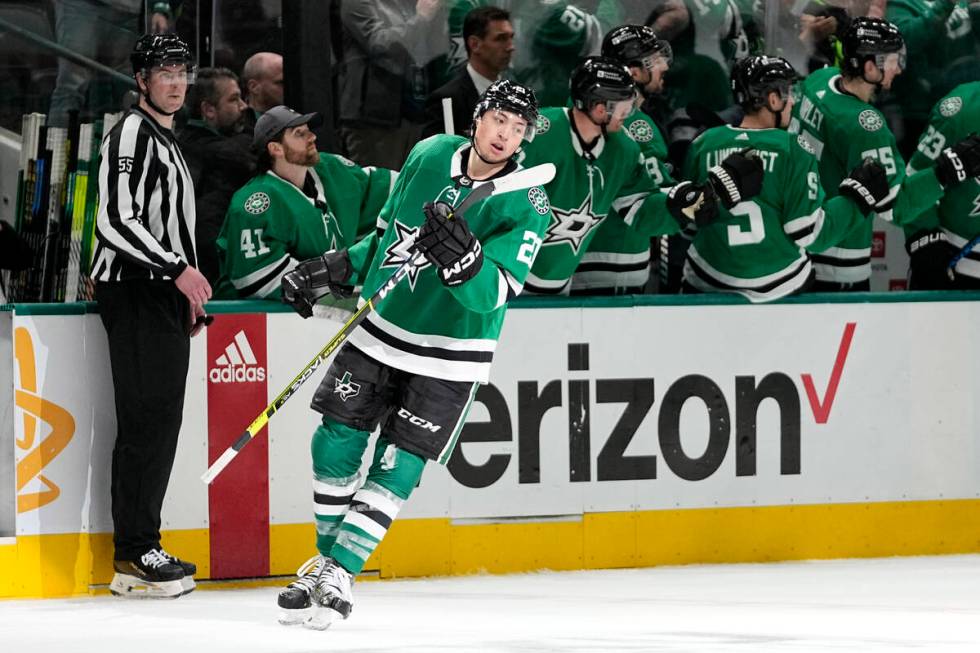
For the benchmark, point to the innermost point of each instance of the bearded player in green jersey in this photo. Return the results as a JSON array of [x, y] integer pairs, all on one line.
[[758, 248], [946, 253], [841, 127], [601, 172], [300, 204], [415, 363], [618, 259]]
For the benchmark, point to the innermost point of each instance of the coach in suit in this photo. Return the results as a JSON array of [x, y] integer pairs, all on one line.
[[489, 40]]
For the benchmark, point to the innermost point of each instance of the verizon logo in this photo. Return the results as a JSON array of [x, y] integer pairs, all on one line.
[[237, 364]]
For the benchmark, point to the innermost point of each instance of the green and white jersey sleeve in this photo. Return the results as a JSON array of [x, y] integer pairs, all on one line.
[[271, 224], [618, 259], [958, 212], [842, 130], [422, 326], [611, 185], [757, 249]]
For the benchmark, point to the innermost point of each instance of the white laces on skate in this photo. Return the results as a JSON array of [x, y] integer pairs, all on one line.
[[308, 573], [154, 559], [337, 579]]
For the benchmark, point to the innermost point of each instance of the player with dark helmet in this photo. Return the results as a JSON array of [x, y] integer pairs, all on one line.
[[508, 102], [875, 40], [603, 89], [161, 51], [640, 49], [754, 78]]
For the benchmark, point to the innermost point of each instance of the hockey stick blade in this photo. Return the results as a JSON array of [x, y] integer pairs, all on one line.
[[536, 176]]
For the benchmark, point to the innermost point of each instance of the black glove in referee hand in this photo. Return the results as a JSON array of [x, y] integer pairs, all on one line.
[[960, 162], [447, 243], [866, 186], [737, 178]]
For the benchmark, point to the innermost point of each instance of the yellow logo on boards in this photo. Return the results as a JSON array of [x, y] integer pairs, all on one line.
[[36, 408]]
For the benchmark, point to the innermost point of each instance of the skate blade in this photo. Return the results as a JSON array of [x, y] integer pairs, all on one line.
[[321, 618], [293, 617], [187, 585], [130, 587]]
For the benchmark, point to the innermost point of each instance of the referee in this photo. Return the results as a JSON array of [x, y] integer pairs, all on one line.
[[151, 300]]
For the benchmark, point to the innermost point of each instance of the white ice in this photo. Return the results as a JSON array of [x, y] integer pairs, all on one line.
[[896, 604]]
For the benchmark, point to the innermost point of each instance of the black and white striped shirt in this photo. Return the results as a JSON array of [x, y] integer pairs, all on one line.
[[145, 225]]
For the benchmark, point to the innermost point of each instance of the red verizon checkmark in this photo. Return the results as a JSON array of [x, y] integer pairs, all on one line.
[[821, 409]]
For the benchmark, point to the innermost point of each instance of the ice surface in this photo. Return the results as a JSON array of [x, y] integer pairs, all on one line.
[[897, 604]]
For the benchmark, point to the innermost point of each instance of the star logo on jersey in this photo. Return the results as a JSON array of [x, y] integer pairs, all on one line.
[[870, 120], [539, 200], [640, 131], [345, 387], [257, 203], [950, 106], [541, 125], [976, 207], [401, 250], [457, 52], [572, 226]]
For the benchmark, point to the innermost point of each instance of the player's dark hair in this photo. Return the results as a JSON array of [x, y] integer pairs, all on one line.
[[205, 89], [264, 162], [477, 22]]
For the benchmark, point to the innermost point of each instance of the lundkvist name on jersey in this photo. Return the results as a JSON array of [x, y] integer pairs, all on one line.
[[238, 364], [594, 456]]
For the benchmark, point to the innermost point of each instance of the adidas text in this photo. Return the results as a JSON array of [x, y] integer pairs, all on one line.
[[236, 374]]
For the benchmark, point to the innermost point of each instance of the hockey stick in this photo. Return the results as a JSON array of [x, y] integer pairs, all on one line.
[[536, 176]]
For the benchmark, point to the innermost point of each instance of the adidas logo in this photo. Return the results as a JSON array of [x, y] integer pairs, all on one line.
[[237, 364]]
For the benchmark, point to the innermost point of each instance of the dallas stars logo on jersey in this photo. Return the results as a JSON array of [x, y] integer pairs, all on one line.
[[345, 387], [572, 226], [401, 250]]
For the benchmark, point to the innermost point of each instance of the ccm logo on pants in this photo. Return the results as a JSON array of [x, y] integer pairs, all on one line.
[[418, 421]]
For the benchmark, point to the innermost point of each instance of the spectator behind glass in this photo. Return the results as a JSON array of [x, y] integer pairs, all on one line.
[[218, 155], [103, 31], [489, 39], [263, 85], [943, 39], [383, 77]]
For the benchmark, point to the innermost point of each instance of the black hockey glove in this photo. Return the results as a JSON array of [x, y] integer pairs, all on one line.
[[960, 162], [930, 255], [688, 201], [737, 178], [866, 186], [449, 245], [332, 270]]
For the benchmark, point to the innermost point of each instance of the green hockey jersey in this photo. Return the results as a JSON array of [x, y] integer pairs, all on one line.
[[756, 249], [552, 36], [613, 182], [958, 212], [271, 224], [943, 40], [618, 258], [422, 326], [842, 130]]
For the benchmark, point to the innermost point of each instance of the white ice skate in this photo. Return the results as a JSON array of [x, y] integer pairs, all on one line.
[[294, 599], [153, 576], [187, 583], [331, 596]]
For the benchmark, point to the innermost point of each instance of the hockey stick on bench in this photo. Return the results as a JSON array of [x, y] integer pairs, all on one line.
[[536, 176]]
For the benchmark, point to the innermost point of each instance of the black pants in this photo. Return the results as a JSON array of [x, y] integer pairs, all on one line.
[[149, 350]]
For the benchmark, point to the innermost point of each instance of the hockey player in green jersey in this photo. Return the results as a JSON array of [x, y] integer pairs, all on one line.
[[601, 172], [300, 204], [946, 250], [415, 363], [841, 127], [758, 248], [618, 259]]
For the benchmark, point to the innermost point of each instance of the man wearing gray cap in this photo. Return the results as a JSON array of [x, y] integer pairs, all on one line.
[[300, 204]]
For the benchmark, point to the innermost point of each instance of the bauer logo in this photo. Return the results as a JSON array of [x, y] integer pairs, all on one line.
[[237, 364]]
